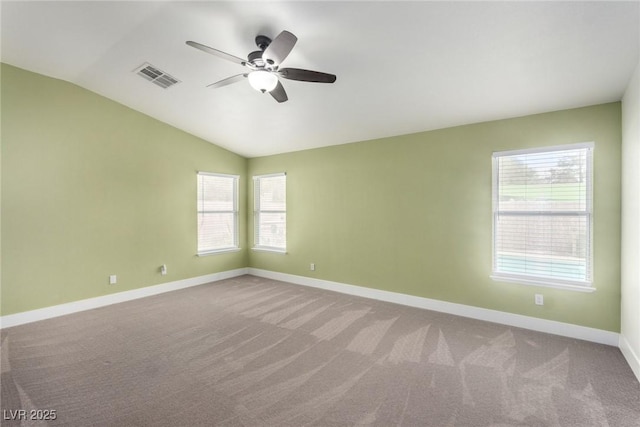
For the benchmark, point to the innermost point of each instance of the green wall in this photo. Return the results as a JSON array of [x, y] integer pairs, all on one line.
[[92, 188], [412, 214]]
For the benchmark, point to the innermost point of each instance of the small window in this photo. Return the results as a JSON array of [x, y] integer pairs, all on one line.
[[270, 212], [542, 216], [217, 213]]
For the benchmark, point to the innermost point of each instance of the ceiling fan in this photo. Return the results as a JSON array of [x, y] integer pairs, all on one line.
[[264, 66]]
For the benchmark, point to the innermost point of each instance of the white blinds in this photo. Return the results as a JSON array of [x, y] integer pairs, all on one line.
[[217, 212], [270, 212], [542, 215]]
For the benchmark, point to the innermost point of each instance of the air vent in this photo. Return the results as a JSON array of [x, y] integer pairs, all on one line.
[[157, 76]]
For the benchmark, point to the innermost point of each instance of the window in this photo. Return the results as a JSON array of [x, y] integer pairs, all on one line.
[[217, 213], [270, 212], [542, 216]]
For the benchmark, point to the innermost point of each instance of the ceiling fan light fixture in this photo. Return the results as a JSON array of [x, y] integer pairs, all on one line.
[[263, 81]]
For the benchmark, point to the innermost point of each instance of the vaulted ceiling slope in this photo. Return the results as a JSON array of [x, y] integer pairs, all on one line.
[[402, 67]]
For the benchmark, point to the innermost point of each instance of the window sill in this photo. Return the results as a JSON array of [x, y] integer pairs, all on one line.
[[268, 249], [218, 251], [541, 282]]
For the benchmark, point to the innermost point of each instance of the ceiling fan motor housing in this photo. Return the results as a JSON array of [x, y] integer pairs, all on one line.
[[255, 58]]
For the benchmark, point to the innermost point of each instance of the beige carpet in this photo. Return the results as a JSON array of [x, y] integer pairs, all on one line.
[[251, 352]]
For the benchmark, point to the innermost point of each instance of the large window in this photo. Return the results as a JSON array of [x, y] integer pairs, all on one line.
[[542, 216], [270, 212], [217, 213]]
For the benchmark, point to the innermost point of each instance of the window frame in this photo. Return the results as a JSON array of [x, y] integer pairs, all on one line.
[[257, 211], [235, 211], [554, 282]]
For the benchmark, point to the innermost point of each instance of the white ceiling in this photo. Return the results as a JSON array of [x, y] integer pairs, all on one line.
[[402, 67]]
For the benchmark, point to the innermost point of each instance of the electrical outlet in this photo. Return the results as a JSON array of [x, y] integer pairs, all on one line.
[[539, 299], [113, 279], [163, 269], [312, 267]]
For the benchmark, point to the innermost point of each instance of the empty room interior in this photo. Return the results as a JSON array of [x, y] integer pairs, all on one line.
[[320, 213]]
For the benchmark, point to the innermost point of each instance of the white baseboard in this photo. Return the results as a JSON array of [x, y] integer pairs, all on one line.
[[526, 322], [517, 320], [633, 359], [88, 304]]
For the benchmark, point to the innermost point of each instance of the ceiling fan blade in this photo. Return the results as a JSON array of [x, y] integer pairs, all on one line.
[[227, 81], [216, 52], [279, 94], [306, 75], [279, 48]]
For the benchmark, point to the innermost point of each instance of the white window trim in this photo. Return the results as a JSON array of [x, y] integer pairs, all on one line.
[[270, 249], [218, 251], [541, 281], [256, 213], [528, 280], [236, 185]]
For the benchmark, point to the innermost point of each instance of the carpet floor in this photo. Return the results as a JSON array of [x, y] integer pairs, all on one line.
[[251, 351]]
